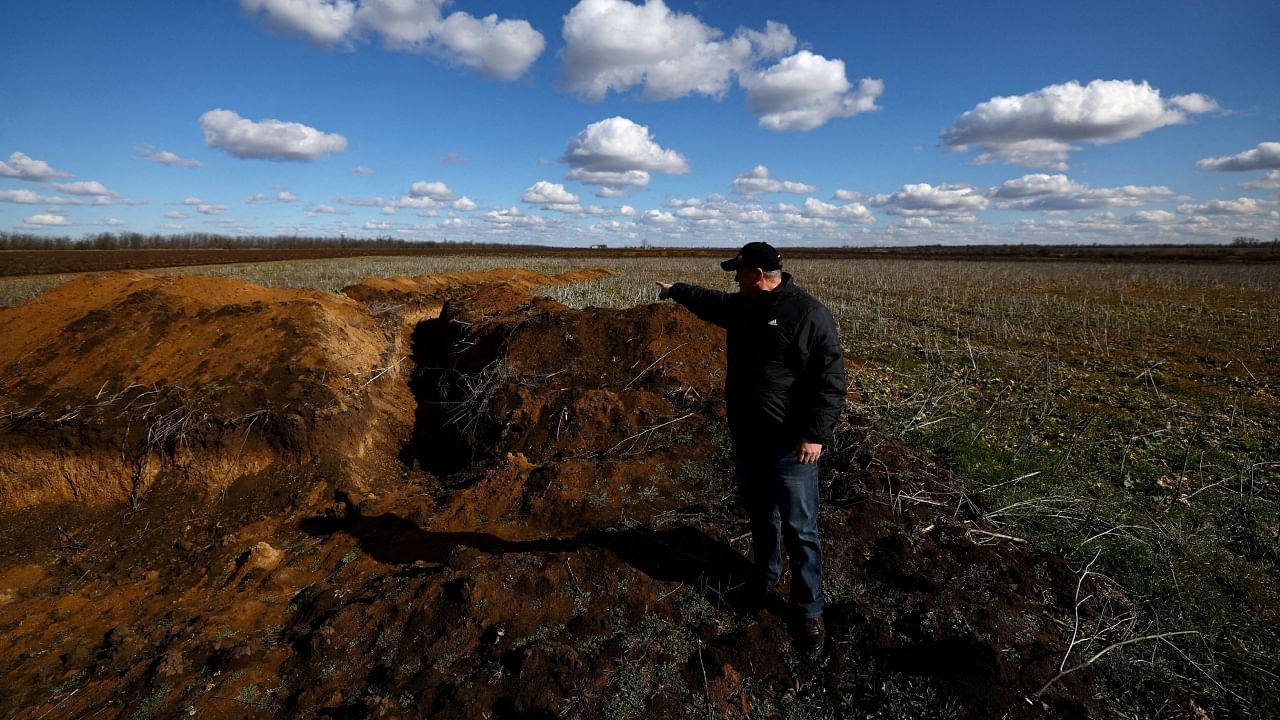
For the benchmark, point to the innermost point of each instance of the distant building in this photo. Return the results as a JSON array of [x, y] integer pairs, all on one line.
[[599, 246]]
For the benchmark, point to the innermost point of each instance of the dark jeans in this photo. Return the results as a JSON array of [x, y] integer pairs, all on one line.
[[781, 498]]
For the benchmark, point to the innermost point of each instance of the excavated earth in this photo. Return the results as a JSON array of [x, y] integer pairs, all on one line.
[[448, 497]]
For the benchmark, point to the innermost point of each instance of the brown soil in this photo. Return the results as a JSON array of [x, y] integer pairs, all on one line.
[[447, 497]]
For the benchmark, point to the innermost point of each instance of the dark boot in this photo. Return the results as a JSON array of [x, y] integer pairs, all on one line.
[[813, 634]]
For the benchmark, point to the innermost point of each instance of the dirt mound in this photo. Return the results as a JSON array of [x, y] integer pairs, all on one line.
[[400, 288], [111, 381], [469, 502], [515, 389]]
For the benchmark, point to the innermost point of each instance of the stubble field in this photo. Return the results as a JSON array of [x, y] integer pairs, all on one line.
[[1125, 415]]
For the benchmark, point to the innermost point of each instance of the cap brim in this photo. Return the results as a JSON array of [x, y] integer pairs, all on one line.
[[731, 264]]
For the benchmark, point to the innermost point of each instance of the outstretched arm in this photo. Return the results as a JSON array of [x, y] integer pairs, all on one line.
[[709, 305]]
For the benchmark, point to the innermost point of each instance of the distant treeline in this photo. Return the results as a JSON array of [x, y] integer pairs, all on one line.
[[209, 241], [1246, 241]]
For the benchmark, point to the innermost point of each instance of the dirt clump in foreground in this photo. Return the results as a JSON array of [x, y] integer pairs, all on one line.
[[453, 498]]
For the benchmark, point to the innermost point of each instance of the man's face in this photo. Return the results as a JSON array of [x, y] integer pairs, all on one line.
[[750, 280]]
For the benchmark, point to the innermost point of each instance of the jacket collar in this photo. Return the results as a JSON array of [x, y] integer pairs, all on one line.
[[776, 294]]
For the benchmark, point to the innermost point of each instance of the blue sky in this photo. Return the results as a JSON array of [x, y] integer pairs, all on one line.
[[673, 124]]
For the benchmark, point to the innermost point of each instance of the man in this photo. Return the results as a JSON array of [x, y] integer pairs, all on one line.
[[784, 389]]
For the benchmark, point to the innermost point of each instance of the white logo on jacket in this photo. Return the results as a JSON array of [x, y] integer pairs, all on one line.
[[773, 322]]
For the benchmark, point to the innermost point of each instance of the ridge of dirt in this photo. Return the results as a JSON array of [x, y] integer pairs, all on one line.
[[109, 381], [489, 504], [399, 287]]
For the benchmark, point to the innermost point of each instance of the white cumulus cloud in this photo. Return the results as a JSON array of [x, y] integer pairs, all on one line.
[[1269, 181], [1039, 191], [164, 157], [1196, 103], [694, 212], [22, 167], [617, 45], [753, 216], [1239, 206], [90, 187], [757, 180], [501, 48], [206, 208], [805, 90], [25, 197], [552, 196], [613, 183], [505, 219], [1153, 217], [1038, 129], [618, 144], [46, 219], [435, 190], [617, 153], [29, 197], [324, 22], [464, 204], [267, 139], [611, 191], [419, 202], [851, 212], [1266, 156], [952, 202]]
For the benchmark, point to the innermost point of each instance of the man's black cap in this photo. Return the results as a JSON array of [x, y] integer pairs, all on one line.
[[754, 255]]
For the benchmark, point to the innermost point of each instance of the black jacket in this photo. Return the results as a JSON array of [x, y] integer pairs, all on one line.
[[786, 378]]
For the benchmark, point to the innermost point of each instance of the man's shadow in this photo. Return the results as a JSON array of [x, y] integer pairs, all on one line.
[[680, 554]]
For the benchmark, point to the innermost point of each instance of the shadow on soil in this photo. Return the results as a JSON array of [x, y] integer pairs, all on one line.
[[681, 554]]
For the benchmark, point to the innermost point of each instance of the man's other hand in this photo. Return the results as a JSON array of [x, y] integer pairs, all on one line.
[[808, 452], [664, 290]]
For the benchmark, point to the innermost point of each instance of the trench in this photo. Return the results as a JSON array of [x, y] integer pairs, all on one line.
[[454, 380]]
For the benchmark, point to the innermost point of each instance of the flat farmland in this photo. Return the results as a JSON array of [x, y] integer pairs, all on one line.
[[1121, 415], [1125, 415]]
